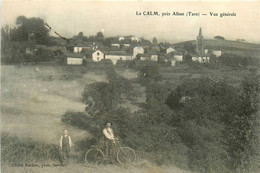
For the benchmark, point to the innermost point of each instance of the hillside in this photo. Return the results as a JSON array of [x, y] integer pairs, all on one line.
[[40, 101], [228, 46]]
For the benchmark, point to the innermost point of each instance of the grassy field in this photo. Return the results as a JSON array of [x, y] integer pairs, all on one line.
[[34, 98], [101, 169], [228, 46]]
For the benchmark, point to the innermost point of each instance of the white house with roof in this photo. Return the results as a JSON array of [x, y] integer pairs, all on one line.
[[126, 44], [203, 58], [77, 49], [134, 38], [170, 49], [178, 56], [137, 50], [153, 54], [154, 57], [97, 56], [74, 58], [121, 38], [115, 44], [114, 56], [217, 53]]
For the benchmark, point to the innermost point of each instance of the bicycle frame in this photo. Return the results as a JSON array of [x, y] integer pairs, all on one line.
[[116, 151]]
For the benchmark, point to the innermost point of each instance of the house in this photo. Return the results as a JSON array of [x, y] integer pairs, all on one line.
[[202, 58], [121, 38], [74, 58], [81, 48], [154, 55], [194, 57], [169, 57], [137, 50], [216, 52], [115, 43], [178, 56], [114, 56], [77, 49], [170, 49], [97, 56], [126, 45], [134, 38], [143, 56]]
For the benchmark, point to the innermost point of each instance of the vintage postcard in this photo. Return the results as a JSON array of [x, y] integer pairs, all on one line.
[[120, 87]]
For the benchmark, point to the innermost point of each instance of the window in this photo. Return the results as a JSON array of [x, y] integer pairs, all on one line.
[[97, 53], [98, 58]]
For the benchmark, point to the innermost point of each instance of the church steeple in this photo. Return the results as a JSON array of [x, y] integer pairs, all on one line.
[[200, 33], [199, 43]]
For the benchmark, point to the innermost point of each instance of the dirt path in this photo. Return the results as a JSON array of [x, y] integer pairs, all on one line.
[[101, 169]]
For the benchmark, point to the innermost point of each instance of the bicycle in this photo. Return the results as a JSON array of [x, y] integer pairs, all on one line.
[[123, 155]]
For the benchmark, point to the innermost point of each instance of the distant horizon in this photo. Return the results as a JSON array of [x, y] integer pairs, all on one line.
[[166, 41], [69, 18]]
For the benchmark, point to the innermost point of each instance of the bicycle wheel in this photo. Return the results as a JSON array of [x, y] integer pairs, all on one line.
[[126, 155], [94, 157]]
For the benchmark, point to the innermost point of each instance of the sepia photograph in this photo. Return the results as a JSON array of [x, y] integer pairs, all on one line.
[[130, 86]]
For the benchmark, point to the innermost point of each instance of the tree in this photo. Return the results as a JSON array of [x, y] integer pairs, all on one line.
[[5, 33], [204, 108], [219, 37], [105, 97], [80, 37], [189, 47], [155, 41], [80, 34], [99, 37], [31, 29], [108, 41], [244, 137]]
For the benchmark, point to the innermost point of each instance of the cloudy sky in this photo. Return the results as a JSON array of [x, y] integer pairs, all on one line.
[[69, 17]]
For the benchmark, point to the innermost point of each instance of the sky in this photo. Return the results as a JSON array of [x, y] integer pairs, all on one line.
[[69, 17]]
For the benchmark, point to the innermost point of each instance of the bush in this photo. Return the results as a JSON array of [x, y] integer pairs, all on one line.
[[218, 123], [244, 139], [15, 150], [103, 96], [235, 60]]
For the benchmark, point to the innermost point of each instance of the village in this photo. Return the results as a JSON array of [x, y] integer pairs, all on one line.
[[130, 48]]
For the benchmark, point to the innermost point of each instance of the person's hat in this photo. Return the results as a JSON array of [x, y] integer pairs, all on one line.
[[108, 122]]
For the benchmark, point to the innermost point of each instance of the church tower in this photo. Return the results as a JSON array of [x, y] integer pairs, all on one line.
[[199, 43]]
